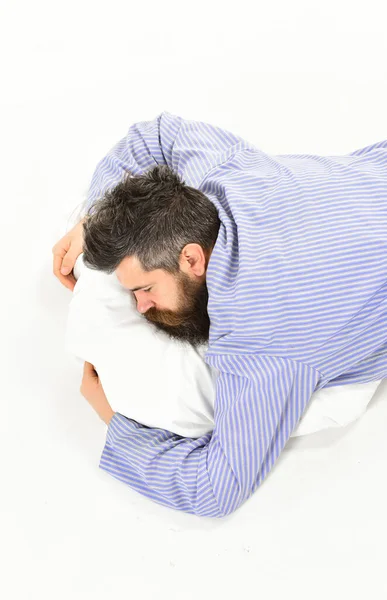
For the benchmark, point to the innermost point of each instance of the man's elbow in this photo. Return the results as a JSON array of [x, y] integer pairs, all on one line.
[[219, 511]]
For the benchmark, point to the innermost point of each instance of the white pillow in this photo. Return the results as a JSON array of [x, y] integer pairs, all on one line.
[[160, 382]]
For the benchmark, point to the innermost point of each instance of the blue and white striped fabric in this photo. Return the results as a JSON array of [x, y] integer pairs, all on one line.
[[297, 285]]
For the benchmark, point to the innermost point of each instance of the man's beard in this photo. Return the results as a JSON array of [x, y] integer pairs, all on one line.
[[191, 322]]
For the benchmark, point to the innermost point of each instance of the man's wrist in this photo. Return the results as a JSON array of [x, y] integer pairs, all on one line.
[[108, 416]]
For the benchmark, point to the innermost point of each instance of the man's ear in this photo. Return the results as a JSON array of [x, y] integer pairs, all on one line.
[[193, 260]]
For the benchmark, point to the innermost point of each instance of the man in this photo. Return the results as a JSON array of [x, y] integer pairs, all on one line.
[[293, 270]]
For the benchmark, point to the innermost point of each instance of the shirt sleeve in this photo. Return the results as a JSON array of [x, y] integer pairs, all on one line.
[[191, 148], [258, 403]]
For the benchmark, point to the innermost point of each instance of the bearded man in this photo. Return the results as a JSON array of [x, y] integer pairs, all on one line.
[[278, 262]]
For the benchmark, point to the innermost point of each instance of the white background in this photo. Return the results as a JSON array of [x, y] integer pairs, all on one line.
[[291, 77]]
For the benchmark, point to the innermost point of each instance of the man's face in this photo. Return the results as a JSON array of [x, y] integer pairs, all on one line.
[[175, 304]]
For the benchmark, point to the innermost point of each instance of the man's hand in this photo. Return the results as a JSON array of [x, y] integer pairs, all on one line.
[[66, 252], [91, 388]]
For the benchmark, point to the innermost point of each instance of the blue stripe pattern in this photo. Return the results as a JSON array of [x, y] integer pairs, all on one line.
[[297, 285]]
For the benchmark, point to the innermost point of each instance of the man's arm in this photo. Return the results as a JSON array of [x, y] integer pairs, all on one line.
[[259, 401], [191, 148]]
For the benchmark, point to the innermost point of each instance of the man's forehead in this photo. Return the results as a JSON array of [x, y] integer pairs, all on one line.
[[131, 275], [129, 272]]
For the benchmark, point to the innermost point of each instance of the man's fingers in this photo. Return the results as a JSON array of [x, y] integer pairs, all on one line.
[[89, 371], [85, 374], [57, 264], [66, 252], [60, 260], [65, 256], [68, 263], [68, 281], [59, 252]]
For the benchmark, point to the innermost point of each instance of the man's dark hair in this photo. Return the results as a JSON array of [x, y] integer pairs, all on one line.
[[151, 216]]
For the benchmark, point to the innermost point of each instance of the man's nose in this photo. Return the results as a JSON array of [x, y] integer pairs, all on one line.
[[143, 304]]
